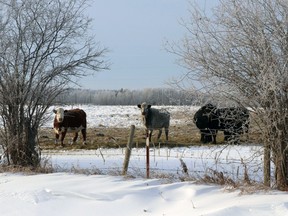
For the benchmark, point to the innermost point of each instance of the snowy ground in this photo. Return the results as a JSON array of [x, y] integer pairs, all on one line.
[[122, 116], [230, 160], [64, 193], [69, 194]]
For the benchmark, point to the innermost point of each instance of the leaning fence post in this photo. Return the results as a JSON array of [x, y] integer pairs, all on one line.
[[128, 150]]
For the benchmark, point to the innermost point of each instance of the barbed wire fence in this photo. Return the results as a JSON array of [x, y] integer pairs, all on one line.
[[237, 163]]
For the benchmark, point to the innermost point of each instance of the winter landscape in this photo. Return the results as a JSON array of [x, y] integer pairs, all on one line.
[[89, 182]]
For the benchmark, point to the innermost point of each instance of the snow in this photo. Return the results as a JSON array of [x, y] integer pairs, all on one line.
[[71, 194], [100, 190], [231, 160], [119, 116]]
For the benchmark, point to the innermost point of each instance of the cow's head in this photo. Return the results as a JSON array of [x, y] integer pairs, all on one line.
[[203, 116], [208, 109], [144, 108], [59, 114]]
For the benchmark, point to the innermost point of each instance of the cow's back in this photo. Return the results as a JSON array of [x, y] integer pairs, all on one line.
[[158, 118], [72, 118], [75, 118], [233, 117]]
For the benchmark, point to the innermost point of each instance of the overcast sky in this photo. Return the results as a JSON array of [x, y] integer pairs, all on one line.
[[135, 31]]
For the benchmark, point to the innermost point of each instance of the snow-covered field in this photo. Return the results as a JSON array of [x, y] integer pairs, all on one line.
[[69, 194], [123, 116], [66, 193]]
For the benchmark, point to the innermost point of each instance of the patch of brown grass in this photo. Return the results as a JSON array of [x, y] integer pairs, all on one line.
[[45, 167], [184, 134], [104, 137]]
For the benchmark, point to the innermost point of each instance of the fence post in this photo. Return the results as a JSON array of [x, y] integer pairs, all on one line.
[[147, 155], [128, 150]]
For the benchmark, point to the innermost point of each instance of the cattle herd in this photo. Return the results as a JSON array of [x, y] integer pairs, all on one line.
[[209, 119]]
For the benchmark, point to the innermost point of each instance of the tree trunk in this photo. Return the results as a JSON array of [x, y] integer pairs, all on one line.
[[22, 149], [32, 156], [267, 164], [281, 167]]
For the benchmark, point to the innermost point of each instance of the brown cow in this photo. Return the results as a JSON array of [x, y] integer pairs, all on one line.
[[69, 121]]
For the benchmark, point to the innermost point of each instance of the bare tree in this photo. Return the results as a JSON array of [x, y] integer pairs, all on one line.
[[44, 46], [241, 52]]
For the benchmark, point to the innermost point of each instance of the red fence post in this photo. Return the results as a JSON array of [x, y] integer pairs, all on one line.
[[147, 155]]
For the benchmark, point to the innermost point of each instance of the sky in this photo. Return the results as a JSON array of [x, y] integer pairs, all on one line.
[[135, 32]]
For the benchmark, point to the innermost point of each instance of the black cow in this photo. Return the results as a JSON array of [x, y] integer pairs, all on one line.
[[69, 121], [202, 120], [233, 121]]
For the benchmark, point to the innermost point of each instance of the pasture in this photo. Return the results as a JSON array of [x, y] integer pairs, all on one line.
[[108, 132], [87, 179], [109, 126]]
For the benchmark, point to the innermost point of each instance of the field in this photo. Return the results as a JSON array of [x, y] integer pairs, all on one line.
[[87, 180], [109, 126], [108, 132]]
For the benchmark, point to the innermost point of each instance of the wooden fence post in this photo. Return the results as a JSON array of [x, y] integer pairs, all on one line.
[[128, 150]]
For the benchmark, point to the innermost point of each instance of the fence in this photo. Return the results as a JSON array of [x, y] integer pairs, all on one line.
[[230, 160], [233, 161]]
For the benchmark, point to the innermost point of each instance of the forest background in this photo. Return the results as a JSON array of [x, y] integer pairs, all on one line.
[[154, 96]]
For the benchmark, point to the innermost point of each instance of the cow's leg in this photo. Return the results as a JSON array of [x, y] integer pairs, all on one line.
[[213, 133], [234, 138], [84, 136], [246, 130], [56, 138], [75, 137], [63, 134], [227, 135], [202, 133], [206, 136], [237, 139], [159, 134], [166, 133], [149, 133]]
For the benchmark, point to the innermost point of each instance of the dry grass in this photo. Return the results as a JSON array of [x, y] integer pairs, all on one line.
[[180, 135], [184, 134], [45, 167]]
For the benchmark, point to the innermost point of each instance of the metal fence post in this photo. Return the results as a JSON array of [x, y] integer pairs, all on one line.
[[147, 155]]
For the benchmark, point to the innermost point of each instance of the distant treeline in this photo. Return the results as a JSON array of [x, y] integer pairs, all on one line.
[[128, 97]]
